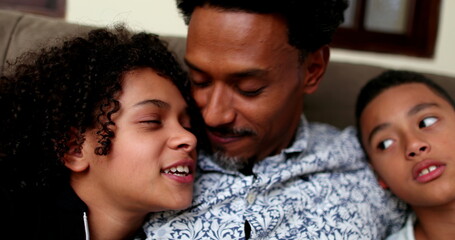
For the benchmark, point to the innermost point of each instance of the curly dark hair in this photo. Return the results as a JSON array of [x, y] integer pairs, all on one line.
[[47, 93], [311, 23]]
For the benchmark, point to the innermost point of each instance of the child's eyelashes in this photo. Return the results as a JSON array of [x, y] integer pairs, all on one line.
[[428, 121], [383, 145], [150, 121]]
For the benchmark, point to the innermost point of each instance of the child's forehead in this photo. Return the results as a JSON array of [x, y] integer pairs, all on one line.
[[398, 100], [412, 89], [421, 90]]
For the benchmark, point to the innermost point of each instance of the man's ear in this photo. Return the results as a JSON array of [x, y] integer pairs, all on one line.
[[74, 159], [314, 66]]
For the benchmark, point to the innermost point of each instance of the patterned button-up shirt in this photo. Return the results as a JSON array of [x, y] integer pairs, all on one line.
[[319, 188]]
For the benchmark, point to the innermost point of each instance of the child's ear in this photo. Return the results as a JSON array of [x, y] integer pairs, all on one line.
[[74, 159], [382, 183]]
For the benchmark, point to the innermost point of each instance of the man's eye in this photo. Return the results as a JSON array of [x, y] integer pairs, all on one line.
[[251, 93], [428, 121], [385, 144], [199, 84]]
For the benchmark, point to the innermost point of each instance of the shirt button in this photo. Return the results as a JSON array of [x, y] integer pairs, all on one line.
[[250, 198]]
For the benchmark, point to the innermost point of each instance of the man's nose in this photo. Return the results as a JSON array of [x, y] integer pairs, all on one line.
[[219, 109]]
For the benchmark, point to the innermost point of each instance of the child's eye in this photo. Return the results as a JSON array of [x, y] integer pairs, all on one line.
[[428, 121], [385, 144], [151, 122]]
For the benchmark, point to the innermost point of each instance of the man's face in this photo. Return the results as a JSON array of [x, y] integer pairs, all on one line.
[[247, 80]]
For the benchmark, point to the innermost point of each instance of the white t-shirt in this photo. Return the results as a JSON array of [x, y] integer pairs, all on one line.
[[407, 232]]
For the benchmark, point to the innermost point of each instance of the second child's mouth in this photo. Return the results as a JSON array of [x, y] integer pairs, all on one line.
[[427, 171]]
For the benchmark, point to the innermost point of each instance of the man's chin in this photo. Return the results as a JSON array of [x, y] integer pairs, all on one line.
[[229, 162]]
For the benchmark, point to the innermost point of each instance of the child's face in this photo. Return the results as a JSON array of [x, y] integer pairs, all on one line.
[[146, 169], [409, 134]]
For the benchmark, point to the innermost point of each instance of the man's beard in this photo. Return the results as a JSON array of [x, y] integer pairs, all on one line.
[[230, 163], [236, 164]]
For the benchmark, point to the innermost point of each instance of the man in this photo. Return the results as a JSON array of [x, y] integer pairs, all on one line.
[[272, 175]]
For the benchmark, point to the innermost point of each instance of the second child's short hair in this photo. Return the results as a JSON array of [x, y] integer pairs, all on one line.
[[392, 78], [389, 79]]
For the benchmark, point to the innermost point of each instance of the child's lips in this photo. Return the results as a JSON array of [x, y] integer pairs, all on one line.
[[182, 171], [428, 170]]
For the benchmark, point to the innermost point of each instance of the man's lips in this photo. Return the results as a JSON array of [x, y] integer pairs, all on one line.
[[225, 135], [219, 138], [427, 170]]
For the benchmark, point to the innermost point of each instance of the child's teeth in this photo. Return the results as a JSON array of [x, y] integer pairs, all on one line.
[[424, 171], [179, 170], [427, 170]]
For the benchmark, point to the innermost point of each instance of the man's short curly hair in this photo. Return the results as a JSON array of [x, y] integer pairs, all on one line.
[[48, 94], [311, 23]]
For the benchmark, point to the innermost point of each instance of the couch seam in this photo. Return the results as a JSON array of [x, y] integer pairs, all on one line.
[[8, 44]]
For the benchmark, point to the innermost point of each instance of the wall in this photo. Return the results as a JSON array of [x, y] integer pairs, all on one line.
[[161, 16]]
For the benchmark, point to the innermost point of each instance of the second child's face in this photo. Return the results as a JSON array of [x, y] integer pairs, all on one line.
[[409, 134]]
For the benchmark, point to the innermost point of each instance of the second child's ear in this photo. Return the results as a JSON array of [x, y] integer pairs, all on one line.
[[74, 158], [382, 184]]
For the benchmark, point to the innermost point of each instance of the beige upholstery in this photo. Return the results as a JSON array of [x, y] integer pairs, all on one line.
[[333, 102]]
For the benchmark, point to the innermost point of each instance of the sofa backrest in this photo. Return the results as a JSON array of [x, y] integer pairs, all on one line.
[[332, 103]]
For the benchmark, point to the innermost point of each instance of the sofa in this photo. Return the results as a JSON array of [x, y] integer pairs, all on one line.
[[332, 103]]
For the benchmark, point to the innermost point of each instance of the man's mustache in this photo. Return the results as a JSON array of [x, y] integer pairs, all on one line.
[[239, 132]]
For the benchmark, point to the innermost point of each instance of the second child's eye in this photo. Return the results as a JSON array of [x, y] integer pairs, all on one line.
[[428, 121], [385, 144]]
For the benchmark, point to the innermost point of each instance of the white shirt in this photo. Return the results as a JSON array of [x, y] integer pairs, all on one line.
[[319, 188]]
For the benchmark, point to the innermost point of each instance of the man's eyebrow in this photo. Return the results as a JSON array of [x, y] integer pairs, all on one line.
[[254, 72], [419, 107], [158, 103], [248, 73], [192, 66]]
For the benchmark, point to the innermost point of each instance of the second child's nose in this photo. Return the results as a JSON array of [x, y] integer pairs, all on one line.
[[416, 147]]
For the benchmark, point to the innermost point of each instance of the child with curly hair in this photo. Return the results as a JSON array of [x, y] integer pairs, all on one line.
[[95, 135], [406, 126]]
